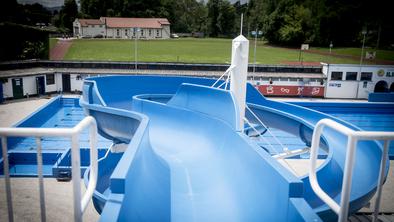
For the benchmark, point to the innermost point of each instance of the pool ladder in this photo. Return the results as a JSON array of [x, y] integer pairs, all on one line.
[[72, 133], [342, 209]]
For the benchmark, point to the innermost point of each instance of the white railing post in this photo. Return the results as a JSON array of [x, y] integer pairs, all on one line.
[[347, 178], [76, 175], [312, 169], [40, 179], [93, 168], [342, 210], [6, 171], [73, 133], [381, 180]]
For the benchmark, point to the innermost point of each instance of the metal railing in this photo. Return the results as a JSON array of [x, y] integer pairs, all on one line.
[[342, 209], [227, 80], [73, 134]]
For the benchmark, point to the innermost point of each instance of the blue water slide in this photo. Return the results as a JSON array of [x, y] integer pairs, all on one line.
[[188, 163], [177, 142], [368, 155]]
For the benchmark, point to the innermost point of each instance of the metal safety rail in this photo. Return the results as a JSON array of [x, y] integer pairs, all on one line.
[[73, 134], [342, 209]]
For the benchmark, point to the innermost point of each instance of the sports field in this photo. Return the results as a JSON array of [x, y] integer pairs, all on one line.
[[191, 50]]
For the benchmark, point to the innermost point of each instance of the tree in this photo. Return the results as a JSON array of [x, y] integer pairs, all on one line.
[[226, 18], [68, 14], [213, 14], [296, 27]]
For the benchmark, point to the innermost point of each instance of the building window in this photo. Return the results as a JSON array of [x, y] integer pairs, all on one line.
[[351, 75], [117, 32], [101, 26], [142, 32], [336, 75], [50, 79], [134, 32], [150, 32], [366, 76], [157, 33], [125, 32]]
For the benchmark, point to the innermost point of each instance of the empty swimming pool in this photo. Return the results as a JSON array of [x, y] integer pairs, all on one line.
[[59, 112]]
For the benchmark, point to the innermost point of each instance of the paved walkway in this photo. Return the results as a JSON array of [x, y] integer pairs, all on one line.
[[60, 49]]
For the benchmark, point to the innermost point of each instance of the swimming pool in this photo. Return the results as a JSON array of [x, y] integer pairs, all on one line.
[[368, 116], [59, 112], [66, 112]]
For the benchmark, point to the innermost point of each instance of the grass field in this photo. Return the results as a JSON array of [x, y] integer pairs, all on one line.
[[380, 54], [188, 50]]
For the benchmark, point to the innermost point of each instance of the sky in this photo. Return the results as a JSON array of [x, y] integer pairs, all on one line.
[[57, 3], [45, 3]]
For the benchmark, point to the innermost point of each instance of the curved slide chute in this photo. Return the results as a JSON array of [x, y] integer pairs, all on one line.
[[185, 160], [368, 154]]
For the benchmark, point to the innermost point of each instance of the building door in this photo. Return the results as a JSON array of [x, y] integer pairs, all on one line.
[[40, 85], [66, 83], [381, 86], [17, 88]]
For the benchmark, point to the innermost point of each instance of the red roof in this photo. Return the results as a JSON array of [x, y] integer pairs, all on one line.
[[86, 22], [114, 22]]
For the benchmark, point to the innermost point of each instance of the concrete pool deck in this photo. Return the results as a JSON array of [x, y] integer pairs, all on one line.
[[59, 194]]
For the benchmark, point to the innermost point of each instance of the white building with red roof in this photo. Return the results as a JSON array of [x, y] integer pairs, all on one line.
[[125, 28]]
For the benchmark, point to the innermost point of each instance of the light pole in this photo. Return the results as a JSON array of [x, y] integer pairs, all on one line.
[[136, 30], [364, 32], [254, 52]]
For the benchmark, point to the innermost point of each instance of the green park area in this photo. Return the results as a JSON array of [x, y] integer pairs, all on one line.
[[206, 50]]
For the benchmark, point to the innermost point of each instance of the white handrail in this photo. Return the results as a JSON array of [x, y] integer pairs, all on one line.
[[73, 133], [342, 209], [227, 72]]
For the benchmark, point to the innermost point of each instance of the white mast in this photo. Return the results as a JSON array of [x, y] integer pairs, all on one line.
[[239, 59]]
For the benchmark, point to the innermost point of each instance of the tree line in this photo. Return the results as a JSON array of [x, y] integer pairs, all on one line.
[[282, 22]]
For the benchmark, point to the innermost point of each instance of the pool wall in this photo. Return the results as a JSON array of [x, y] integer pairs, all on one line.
[[37, 118], [369, 116], [347, 107]]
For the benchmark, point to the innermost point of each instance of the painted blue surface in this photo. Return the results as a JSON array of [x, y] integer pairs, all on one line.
[[57, 113], [62, 167], [167, 180], [185, 162], [106, 168], [381, 97], [367, 116]]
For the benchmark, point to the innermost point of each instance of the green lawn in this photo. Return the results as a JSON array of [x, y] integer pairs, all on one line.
[[52, 43], [187, 50], [380, 54]]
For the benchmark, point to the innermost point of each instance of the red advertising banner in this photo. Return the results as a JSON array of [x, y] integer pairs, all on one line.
[[277, 90]]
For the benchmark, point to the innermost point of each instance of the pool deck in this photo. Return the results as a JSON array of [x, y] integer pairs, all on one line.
[[59, 194]]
